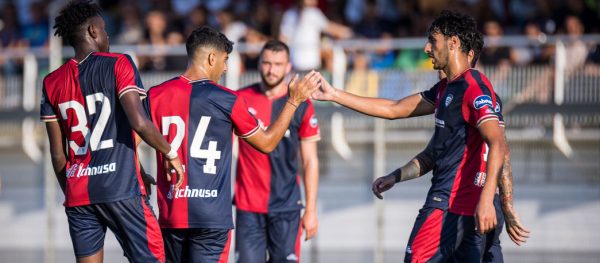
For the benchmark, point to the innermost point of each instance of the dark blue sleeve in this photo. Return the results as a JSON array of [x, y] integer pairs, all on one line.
[[430, 95]]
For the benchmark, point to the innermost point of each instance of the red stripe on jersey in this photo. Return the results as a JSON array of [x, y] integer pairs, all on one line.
[[427, 240], [62, 86], [176, 93], [153, 234], [468, 184], [253, 183], [298, 241], [138, 171], [225, 254]]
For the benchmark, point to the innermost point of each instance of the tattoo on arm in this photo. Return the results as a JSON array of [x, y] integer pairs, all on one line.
[[505, 183]]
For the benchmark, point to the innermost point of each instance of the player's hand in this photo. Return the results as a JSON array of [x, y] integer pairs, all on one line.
[[310, 224], [383, 184], [325, 92], [300, 90], [148, 182], [485, 217], [173, 168], [517, 232]]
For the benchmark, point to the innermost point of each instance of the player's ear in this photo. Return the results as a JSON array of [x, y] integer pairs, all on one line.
[[91, 30], [288, 68], [212, 57], [454, 42]]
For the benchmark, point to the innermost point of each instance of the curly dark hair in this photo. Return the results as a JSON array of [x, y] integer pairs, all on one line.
[[69, 23], [450, 23], [476, 46], [207, 37]]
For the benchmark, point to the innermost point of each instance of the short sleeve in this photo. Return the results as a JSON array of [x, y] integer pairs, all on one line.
[[309, 128], [498, 110], [478, 105], [127, 77], [47, 113], [430, 95], [245, 124]]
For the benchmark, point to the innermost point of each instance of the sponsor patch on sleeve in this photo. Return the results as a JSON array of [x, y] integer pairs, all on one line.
[[482, 101]]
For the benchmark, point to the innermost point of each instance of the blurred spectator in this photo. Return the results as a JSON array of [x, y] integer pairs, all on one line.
[[195, 19], [131, 28], [230, 26], [301, 28], [536, 52], [37, 31], [260, 18], [371, 25], [492, 54], [156, 34], [250, 58], [362, 80], [576, 50]]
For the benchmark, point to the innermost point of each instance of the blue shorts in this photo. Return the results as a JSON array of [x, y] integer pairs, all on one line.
[[131, 220], [455, 238], [202, 245], [277, 233]]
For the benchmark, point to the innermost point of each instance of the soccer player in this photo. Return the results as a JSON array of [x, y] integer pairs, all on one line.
[[468, 144], [92, 109], [267, 191], [198, 117]]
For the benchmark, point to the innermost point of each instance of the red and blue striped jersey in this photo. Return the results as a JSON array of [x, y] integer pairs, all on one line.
[[270, 182], [459, 151], [84, 98], [198, 119]]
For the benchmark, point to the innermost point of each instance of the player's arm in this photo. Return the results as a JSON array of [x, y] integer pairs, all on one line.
[[517, 232], [310, 166], [299, 90], [411, 106], [57, 152], [416, 167], [492, 134], [148, 132], [146, 178]]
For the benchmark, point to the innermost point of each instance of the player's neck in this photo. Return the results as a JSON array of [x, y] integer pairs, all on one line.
[[456, 66], [195, 72], [274, 92], [83, 52]]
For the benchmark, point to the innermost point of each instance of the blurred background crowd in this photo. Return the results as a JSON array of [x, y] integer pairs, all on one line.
[[309, 24]]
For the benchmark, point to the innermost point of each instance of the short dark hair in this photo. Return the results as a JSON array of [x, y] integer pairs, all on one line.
[[276, 46], [450, 23], [207, 37], [69, 22]]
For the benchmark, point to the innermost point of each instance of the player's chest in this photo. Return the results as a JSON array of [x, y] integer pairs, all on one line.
[[448, 110]]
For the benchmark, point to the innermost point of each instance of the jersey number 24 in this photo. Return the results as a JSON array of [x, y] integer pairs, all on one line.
[[210, 155]]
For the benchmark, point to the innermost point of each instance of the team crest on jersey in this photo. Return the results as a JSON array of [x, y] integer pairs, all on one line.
[[449, 99], [313, 121], [480, 179], [482, 101]]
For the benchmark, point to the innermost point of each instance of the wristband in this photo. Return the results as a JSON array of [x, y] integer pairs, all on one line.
[[172, 154], [398, 176]]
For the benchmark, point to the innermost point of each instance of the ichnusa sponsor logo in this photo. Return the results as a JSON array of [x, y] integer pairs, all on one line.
[[482, 101], [79, 170], [188, 192]]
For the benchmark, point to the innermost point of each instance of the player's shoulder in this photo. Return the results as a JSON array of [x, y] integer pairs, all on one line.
[[249, 90], [220, 90], [110, 55], [59, 72], [169, 84]]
